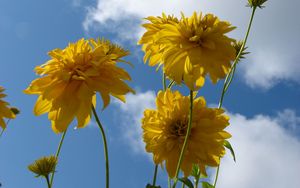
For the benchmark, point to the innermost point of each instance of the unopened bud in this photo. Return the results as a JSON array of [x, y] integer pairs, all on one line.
[[238, 45], [256, 3]]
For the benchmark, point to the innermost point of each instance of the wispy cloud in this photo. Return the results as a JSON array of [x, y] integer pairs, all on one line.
[[131, 115]]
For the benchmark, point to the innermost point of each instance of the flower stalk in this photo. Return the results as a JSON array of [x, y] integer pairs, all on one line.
[[48, 182], [57, 155], [104, 145], [155, 175], [185, 139], [230, 76]]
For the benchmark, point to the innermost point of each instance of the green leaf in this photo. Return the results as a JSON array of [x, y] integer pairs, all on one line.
[[195, 171], [228, 146], [207, 185], [187, 182], [151, 186]]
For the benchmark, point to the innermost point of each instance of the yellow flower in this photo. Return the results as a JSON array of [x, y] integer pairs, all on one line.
[[192, 48], [164, 131], [70, 79], [43, 166], [151, 49], [5, 111]]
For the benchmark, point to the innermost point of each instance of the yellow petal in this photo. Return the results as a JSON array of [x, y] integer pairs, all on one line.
[[41, 106]]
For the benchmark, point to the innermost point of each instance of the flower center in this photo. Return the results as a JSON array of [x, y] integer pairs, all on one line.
[[179, 128]]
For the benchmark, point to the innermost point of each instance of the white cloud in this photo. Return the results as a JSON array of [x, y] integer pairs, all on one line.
[[132, 113], [267, 154], [267, 150], [273, 40], [268, 67], [123, 17], [289, 120]]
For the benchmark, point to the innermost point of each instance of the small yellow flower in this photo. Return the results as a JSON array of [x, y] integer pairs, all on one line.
[[70, 79], [164, 130], [5, 111], [191, 48], [43, 166]]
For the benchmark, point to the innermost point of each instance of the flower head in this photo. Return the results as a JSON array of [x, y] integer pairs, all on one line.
[[238, 46], [5, 111], [43, 166], [164, 130], [256, 3], [191, 48], [150, 47], [71, 78]]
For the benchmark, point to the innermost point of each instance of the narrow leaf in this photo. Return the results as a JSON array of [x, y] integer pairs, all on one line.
[[195, 171], [187, 182], [207, 185], [228, 146]]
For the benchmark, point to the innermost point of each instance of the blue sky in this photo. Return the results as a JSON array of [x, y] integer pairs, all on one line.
[[263, 100]]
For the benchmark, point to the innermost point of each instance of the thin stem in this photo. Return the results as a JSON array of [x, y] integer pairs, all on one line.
[[182, 186], [169, 182], [57, 155], [2, 132], [197, 183], [155, 174], [217, 175], [230, 76], [171, 84], [48, 182], [188, 132], [7, 122], [197, 180], [104, 145], [164, 82]]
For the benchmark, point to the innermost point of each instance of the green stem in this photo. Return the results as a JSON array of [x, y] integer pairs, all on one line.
[[217, 175], [48, 182], [188, 132], [197, 183], [57, 155], [230, 76], [7, 122], [164, 82], [155, 174], [2, 132], [182, 186], [171, 84], [169, 182], [104, 144], [197, 180]]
